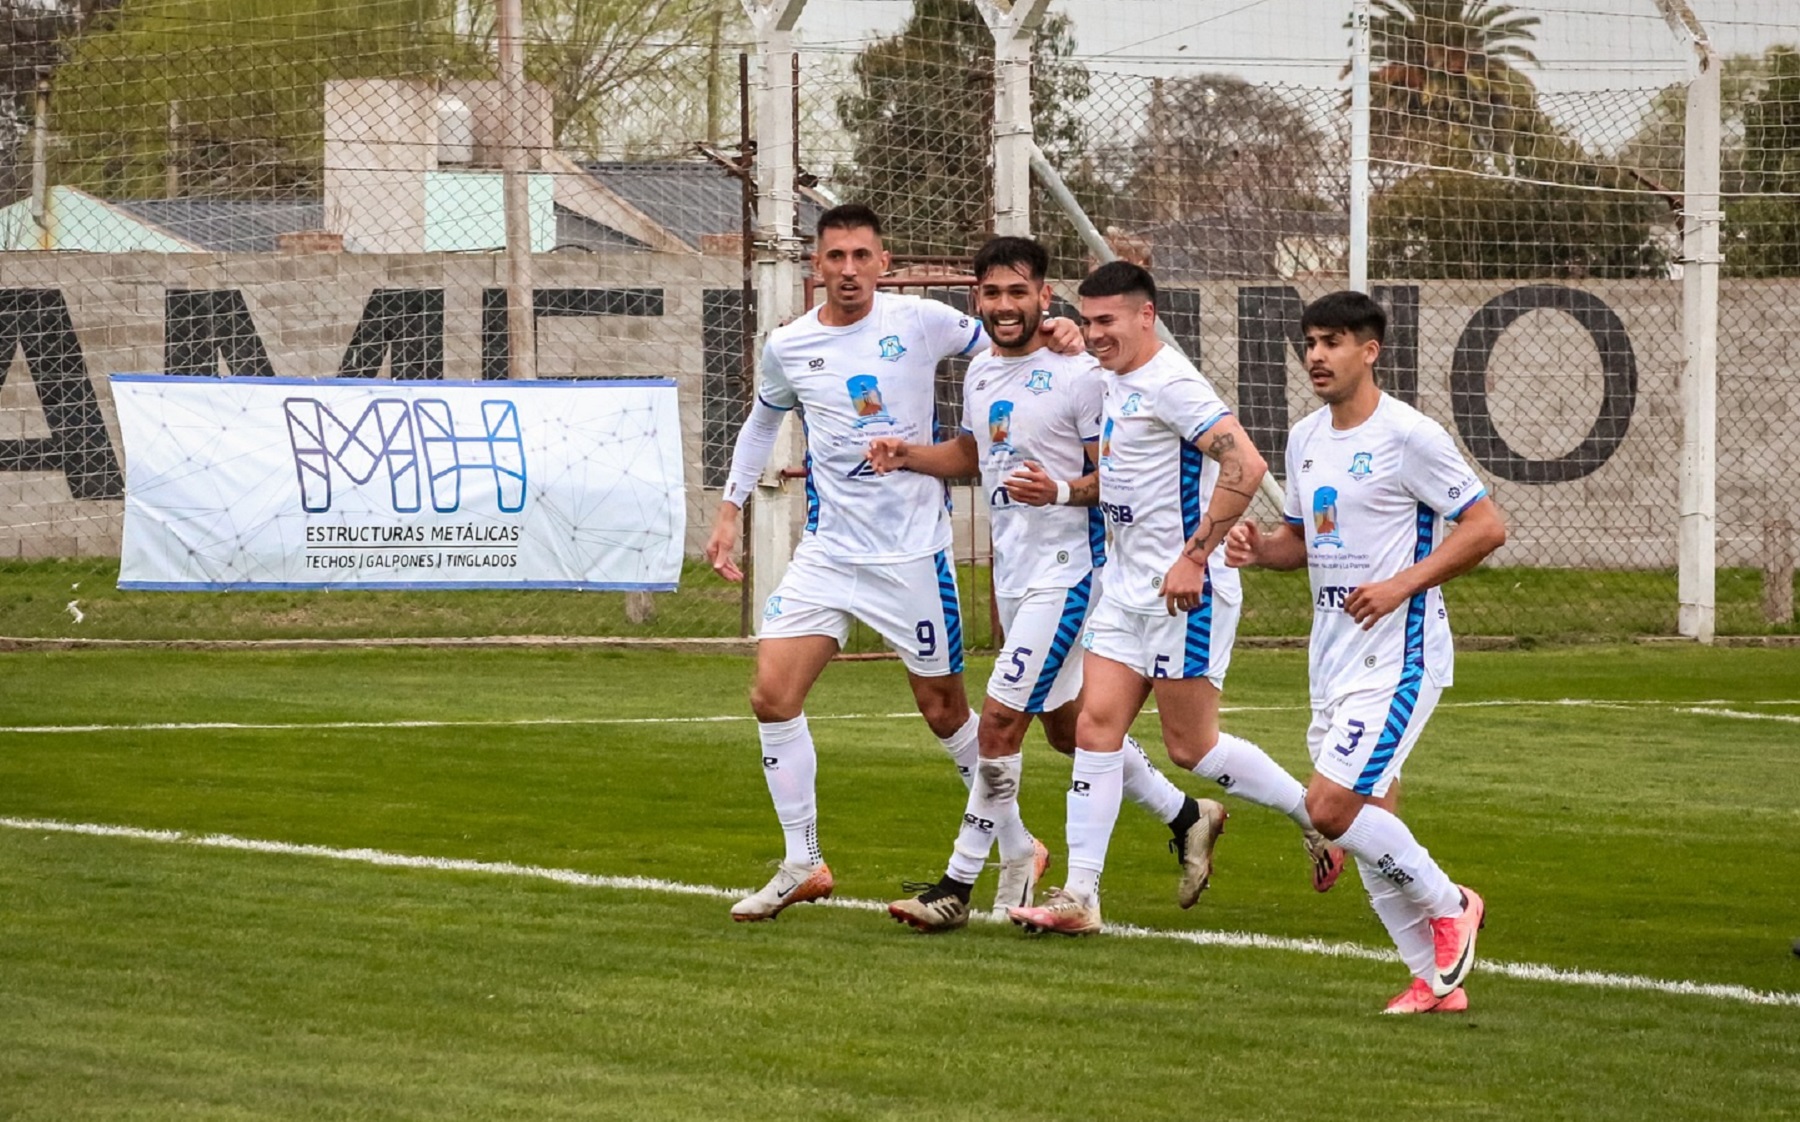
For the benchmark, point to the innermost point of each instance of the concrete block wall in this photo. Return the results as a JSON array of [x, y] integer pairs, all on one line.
[[1542, 380]]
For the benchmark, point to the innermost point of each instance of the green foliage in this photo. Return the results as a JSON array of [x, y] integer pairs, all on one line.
[[248, 77], [1479, 183], [1214, 144], [921, 122], [1762, 223]]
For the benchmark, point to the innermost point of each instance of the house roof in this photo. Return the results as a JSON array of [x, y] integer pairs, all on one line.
[[578, 231], [226, 225], [689, 198]]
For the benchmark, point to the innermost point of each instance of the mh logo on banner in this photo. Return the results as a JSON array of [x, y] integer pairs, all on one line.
[[415, 443]]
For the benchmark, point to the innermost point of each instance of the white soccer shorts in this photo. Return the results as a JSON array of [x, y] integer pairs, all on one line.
[[1034, 672], [1358, 740], [912, 605], [1194, 644]]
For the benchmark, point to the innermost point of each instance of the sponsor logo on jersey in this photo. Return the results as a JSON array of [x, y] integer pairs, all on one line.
[[1038, 382], [815, 364], [865, 398], [891, 350], [1325, 518], [1106, 443], [1361, 466], [1000, 425], [1305, 465]]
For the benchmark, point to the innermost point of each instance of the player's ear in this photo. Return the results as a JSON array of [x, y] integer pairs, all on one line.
[[1044, 296]]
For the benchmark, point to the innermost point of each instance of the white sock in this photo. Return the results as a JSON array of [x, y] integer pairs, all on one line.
[[964, 746], [1406, 923], [1384, 842], [993, 799], [1244, 770], [1094, 794], [789, 767], [1147, 786]]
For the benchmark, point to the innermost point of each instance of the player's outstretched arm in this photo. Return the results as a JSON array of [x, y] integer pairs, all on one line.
[[755, 443], [1282, 547], [949, 459], [1033, 486], [1480, 530]]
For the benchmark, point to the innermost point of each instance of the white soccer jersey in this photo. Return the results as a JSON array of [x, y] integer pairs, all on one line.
[[1372, 501], [873, 378], [1154, 482], [1040, 407]]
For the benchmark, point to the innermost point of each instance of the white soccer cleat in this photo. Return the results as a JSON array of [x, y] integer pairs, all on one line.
[[1194, 850], [792, 883], [1062, 913], [1019, 878]]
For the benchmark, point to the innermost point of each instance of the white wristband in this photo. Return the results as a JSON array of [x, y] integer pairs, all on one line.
[[1062, 493]]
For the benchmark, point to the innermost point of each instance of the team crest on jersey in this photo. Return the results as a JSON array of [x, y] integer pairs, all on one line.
[[1000, 426], [891, 350], [1361, 466], [1325, 518], [1132, 405], [865, 398], [773, 609], [1039, 382]]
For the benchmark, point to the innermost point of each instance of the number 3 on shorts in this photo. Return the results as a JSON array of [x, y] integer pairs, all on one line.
[[1356, 731]]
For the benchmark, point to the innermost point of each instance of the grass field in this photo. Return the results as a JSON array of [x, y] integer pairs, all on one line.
[[1530, 604], [1645, 835]]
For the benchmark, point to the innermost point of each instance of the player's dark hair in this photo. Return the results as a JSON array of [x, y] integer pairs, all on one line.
[[1346, 311], [849, 216], [1119, 278], [1012, 253]]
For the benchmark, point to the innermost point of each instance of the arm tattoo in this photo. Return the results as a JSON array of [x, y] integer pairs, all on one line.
[[1223, 443]]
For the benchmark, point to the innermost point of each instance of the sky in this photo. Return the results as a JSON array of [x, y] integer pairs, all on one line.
[[1583, 44], [1601, 61]]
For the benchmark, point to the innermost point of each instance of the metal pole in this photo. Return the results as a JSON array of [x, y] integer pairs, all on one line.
[[40, 169], [1359, 148], [778, 253], [521, 335], [1013, 29], [1097, 245], [1701, 217]]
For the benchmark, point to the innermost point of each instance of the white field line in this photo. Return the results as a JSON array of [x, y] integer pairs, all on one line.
[[732, 718], [1232, 939]]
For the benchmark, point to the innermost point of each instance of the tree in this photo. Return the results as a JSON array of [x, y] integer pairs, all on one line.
[[1214, 144], [1479, 182], [229, 92], [1762, 224], [921, 124], [32, 36], [614, 64], [1445, 76]]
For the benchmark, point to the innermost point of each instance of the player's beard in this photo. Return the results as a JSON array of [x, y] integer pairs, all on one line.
[[1030, 320]]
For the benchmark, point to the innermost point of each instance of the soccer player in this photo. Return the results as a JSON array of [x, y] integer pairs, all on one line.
[[1176, 471], [1371, 483], [1030, 430], [877, 548]]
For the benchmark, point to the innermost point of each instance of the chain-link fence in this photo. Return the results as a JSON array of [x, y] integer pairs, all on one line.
[[312, 189]]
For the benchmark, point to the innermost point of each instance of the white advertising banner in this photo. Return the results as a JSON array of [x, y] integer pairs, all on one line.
[[248, 483]]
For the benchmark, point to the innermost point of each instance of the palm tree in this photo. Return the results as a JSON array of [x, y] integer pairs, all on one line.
[[1446, 77]]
